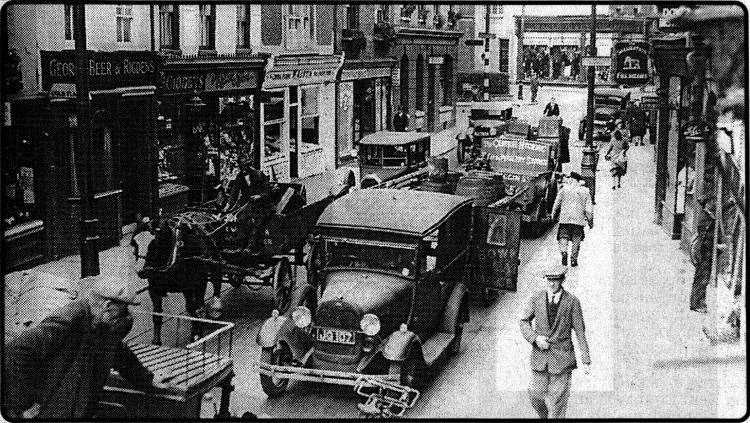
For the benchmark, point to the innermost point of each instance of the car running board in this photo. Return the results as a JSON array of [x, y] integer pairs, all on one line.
[[435, 346]]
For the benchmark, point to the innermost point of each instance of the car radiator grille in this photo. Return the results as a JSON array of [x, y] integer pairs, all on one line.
[[340, 316]]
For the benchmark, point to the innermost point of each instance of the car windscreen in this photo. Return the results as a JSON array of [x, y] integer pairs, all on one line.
[[371, 154], [394, 155], [608, 101], [395, 258]]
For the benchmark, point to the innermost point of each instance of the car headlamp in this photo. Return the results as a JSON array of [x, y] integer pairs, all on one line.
[[302, 317], [493, 132], [370, 324]]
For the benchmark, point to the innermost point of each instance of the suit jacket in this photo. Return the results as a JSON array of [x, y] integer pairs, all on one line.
[[560, 357], [63, 365], [550, 110], [573, 203]]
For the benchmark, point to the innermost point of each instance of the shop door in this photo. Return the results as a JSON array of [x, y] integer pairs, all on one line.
[[496, 243], [364, 108]]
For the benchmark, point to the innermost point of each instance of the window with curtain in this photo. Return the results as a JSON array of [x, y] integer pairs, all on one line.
[[169, 26], [124, 17], [243, 26], [69, 27], [310, 114], [207, 15], [300, 29]]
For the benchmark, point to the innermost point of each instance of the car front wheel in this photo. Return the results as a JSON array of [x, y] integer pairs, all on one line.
[[282, 356], [409, 371]]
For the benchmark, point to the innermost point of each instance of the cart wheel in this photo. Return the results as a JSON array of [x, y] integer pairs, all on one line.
[[281, 356], [283, 284]]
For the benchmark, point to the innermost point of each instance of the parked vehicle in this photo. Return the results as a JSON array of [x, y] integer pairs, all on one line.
[[239, 245], [392, 294], [386, 155], [485, 120], [609, 105]]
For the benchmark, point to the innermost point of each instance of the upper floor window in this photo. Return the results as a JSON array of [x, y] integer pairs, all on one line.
[[300, 29], [243, 26], [496, 9], [69, 26], [352, 16], [383, 13], [169, 26], [207, 15], [124, 22], [421, 13]]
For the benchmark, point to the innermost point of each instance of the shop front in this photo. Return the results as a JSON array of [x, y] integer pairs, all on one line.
[[364, 101], [206, 125], [297, 130], [44, 167]]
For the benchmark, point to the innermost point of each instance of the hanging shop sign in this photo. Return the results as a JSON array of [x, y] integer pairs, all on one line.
[[106, 70], [301, 70], [205, 80], [631, 63]]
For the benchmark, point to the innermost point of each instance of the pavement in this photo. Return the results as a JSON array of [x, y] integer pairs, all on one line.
[[650, 358]]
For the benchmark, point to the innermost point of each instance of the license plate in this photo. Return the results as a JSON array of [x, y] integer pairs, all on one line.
[[335, 336]]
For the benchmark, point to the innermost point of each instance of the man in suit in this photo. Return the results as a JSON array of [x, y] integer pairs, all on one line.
[[400, 120], [551, 109], [555, 313]]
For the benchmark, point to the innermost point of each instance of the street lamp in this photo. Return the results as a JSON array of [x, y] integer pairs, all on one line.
[[590, 152]]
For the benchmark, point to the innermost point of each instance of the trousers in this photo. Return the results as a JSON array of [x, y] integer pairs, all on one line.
[[575, 240], [555, 387]]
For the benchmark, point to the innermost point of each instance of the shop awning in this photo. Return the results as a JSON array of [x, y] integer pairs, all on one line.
[[303, 69]]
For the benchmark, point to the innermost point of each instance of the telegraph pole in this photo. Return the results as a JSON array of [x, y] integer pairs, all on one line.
[[588, 162], [88, 236]]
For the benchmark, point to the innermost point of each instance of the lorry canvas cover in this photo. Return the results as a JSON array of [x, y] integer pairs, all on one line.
[[517, 159]]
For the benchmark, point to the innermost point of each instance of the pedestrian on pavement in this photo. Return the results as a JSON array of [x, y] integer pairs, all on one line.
[[400, 120], [57, 370], [534, 86], [617, 154], [637, 124], [574, 209], [700, 253], [551, 108], [555, 312]]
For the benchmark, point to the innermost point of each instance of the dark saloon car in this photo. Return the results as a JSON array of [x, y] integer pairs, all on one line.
[[391, 295], [609, 105], [386, 155]]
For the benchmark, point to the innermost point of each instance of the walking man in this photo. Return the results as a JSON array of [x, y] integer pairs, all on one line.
[[57, 369], [400, 120], [554, 312], [551, 109], [575, 209], [534, 86]]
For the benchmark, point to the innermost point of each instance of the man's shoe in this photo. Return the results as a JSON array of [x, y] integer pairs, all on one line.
[[573, 262], [564, 259]]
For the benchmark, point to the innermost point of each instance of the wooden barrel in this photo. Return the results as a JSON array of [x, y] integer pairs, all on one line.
[[434, 186], [484, 187], [437, 168]]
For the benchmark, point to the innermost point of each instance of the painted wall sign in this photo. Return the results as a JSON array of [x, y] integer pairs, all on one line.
[[302, 76], [364, 73], [106, 70], [631, 65], [180, 81]]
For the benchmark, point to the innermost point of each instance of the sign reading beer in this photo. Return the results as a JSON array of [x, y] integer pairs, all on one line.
[[632, 64], [106, 70], [517, 156]]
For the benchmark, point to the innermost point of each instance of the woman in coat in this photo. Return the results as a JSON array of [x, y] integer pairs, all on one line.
[[616, 152]]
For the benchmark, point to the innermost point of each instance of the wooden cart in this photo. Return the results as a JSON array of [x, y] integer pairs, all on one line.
[[194, 369]]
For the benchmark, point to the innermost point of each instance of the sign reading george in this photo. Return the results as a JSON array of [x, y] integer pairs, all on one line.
[[632, 64], [106, 70]]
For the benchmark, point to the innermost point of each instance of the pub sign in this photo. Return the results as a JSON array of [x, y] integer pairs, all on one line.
[[106, 70], [632, 66]]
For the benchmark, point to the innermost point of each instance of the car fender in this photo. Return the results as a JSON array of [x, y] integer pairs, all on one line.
[[376, 180], [282, 329], [453, 309], [399, 345]]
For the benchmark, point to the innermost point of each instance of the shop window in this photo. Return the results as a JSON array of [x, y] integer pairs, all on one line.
[[243, 26], [383, 13], [20, 202], [419, 101], [124, 23], [300, 30], [504, 49], [171, 148], [422, 14], [273, 122], [235, 136], [169, 26], [310, 115], [69, 26], [207, 15]]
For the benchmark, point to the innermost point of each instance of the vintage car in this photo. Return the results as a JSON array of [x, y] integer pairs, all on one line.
[[609, 105], [386, 155], [391, 294], [484, 121]]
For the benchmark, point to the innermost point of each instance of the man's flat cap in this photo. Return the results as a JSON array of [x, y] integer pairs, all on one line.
[[115, 289], [556, 272]]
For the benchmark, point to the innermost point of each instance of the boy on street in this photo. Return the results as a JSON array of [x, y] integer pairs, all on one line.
[[575, 209]]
